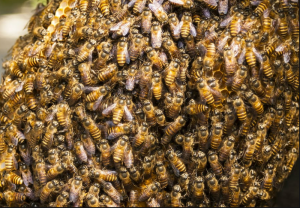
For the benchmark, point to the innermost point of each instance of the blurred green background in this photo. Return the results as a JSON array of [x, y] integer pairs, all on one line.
[[15, 14]]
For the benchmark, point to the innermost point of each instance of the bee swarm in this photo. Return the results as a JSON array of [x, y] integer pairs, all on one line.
[[151, 103]]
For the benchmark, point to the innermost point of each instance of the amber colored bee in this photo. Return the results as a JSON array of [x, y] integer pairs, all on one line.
[[135, 174], [214, 163], [13, 198], [41, 171], [175, 126], [155, 58], [136, 46], [250, 147], [156, 35], [204, 91], [146, 21], [122, 52], [176, 161], [195, 108], [46, 191], [203, 137], [107, 73], [224, 151], [213, 186], [104, 7], [171, 47], [235, 24], [13, 178], [57, 169], [255, 102], [186, 27], [49, 134], [162, 174], [149, 191], [100, 175], [294, 24], [159, 12], [171, 72], [175, 108], [90, 125], [86, 50], [148, 109]]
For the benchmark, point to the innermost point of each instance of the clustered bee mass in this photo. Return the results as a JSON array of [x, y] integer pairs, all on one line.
[[151, 103]]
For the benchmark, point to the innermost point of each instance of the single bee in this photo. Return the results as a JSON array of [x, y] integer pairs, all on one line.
[[46, 190], [111, 191], [185, 27], [120, 129], [215, 164], [155, 58], [255, 102], [148, 109], [204, 91], [86, 50], [90, 125], [216, 136], [175, 126], [62, 199], [49, 134], [107, 200], [149, 191], [213, 186], [136, 46], [224, 151], [104, 7], [175, 161], [98, 93], [159, 12], [125, 178], [122, 52], [41, 171], [172, 71], [88, 144], [122, 29], [174, 109], [240, 109], [249, 148]]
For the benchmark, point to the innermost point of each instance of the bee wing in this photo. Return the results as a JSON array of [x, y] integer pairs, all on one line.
[[130, 83], [20, 87], [116, 26], [50, 49], [109, 109], [51, 115], [193, 30], [97, 102], [163, 57], [266, 13], [176, 171], [126, 55], [211, 2], [202, 49], [226, 21], [223, 6], [131, 3], [257, 55], [286, 56], [128, 158], [242, 56], [125, 28], [128, 115], [178, 28], [89, 89], [179, 2]]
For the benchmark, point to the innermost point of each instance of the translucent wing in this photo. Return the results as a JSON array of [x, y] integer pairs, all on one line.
[[97, 102], [131, 3], [226, 21], [50, 49], [125, 28], [286, 56], [128, 115], [163, 56], [179, 2], [51, 115], [109, 109], [193, 30], [20, 87], [176, 171], [128, 158], [89, 89], [116, 26], [211, 2], [242, 56], [257, 55], [178, 28]]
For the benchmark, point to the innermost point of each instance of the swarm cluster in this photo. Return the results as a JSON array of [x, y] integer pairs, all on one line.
[[151, 103]]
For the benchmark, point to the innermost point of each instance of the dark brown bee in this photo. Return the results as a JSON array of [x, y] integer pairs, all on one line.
[[149, 191], [145, 80], [224, 151], [213, 186]]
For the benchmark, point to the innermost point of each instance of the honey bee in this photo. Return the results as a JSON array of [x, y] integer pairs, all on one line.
[[203, 137], [204, 91], [46, 191], [148, 109], [175, 126], [12, 88], [41, 171], [294, 24], [110, 190], [240, 109], [120, 129], [141, 136], [149, 191], [86, 50], [155, 58], [90, 125], [158, 11], [226, 148], [213, 186], [175, 108], [172, 71], [97, 94], [61, 200], [49, 134], [255, 102], [146, 20], [185, 26], [175, 161], [104, 148], [122, 29]]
